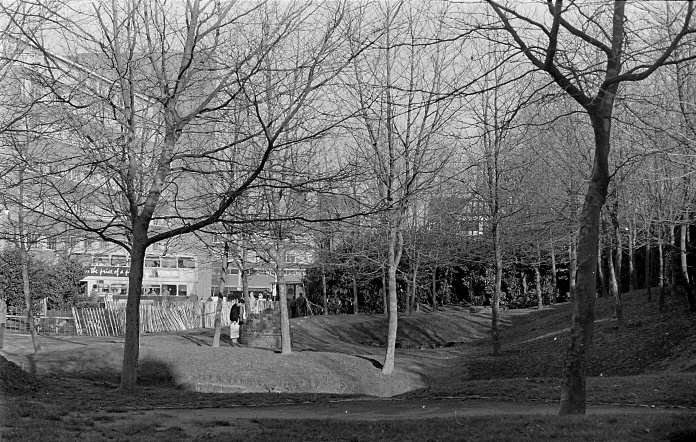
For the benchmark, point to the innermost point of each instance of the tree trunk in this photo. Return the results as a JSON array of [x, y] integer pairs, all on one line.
[[385, 301], [632, 282], [412, 300], [600, 269], [355, 295], [324, 295], [614, 265], [408, 305], [647, 268], [614, 288], [218, 321], [537, 279], [24, 263], [26, 288], [573, 392], [285, 342], [131, 348], [573, 271], [685, 268], [495, 305], [618, 258], [446, 295], [395, 246], [434, 290], [670, 254], [222, 283], [245, 288], [554, 276], [661, 275], [525, 288]]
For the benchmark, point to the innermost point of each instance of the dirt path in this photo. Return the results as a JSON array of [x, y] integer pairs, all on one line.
[[370, 410]]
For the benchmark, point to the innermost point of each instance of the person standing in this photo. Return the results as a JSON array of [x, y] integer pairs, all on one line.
[[3, 320], [235, 314]]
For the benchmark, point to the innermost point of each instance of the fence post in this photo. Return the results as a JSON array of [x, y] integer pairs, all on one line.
[[78, 328]]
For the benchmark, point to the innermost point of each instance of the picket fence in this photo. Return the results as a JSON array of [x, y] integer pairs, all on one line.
[[111, 320]]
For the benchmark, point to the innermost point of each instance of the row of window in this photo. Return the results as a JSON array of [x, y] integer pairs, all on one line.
[[77, 243], [102, 289], [171, 262]]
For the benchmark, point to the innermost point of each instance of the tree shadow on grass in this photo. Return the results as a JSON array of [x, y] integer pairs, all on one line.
[[152, 372], [375, 363], [204, 338]]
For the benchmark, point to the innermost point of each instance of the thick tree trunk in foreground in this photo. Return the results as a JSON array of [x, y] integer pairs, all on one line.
[[573, 385], [394, 256], [131, 350]]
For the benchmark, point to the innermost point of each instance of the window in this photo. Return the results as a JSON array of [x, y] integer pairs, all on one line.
[[168, 262], [168, 290], [100, 260], [119, 260], [82, 258], [290, 257], [152, 261], [119, 289], [76, 242], [182, 290], [151, 290], [186, 262]]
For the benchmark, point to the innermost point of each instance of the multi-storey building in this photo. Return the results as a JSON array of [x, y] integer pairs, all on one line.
[[177, 270]]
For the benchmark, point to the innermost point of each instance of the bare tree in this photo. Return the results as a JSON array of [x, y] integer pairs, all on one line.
[[603, 33], [155, 96], [403, 119]]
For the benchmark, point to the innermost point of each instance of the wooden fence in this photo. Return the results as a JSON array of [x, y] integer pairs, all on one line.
[[111, 320]]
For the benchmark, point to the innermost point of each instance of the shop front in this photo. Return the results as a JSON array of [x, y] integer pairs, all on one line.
[[165, 278]]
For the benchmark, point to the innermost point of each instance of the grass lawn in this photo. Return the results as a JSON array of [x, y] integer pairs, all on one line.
[[33, 421], [649, 360]]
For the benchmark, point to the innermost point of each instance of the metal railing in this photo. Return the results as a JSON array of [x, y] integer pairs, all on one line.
[[45, 325]]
